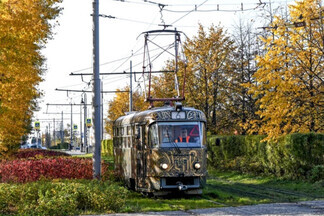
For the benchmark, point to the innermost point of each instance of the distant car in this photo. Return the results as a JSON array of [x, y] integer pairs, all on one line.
[[43, 147]]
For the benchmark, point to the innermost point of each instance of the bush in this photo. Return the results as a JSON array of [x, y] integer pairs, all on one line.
[[60, 146], [107, 147], [317, 173], [61, 197], [292, 156], [47, 168]]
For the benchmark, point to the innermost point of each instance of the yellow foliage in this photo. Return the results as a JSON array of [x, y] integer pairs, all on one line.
[[290, 75], [119, 106], [24, 29]]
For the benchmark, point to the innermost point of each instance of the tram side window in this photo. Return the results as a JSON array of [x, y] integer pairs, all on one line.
[[137, 132], [154, 138], [120, 139], [124, 142]]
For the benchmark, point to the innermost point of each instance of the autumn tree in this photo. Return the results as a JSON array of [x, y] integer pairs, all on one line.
[[24, 29], [289, 81], [119, 106], [208, 68], [209, 57]]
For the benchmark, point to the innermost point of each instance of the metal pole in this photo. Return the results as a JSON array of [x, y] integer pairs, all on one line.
[[53, 132], [49, 134], [131, 89], [102, 119], [70, 146], [81, 127], [62, 131], [37, 135], [85, 125], [96, 91], [176, 63]]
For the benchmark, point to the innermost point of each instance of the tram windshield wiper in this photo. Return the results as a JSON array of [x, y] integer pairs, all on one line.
[[174, 144]]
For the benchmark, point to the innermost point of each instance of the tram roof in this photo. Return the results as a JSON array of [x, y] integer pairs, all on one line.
[[161, 114]]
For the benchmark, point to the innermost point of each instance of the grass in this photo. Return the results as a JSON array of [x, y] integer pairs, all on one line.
[[104, 157], [235, 189], [228, 189], [139, 203], [231, 189], [303, 188]]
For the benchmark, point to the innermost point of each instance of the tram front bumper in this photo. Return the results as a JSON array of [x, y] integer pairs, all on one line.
[[180, 183]]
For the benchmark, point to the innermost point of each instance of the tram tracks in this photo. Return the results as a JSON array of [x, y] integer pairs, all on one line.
[[226, 193], [253, 193], [267, 189], [233, 195]]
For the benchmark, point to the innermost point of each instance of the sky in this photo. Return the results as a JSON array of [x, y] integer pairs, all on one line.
[[70, 50]]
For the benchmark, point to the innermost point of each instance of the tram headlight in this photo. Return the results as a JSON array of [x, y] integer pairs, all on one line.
[[164, 166], [197, 165]]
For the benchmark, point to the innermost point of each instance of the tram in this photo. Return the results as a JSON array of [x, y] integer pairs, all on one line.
[[162, 150]]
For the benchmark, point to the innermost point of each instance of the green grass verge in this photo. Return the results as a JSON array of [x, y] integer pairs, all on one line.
[[139, 203], [105, 157], [234, 189], [222, 189], [62, 197], [231, 189]]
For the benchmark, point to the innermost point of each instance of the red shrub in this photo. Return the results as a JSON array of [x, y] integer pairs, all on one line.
[[32, 153], [48, 168]]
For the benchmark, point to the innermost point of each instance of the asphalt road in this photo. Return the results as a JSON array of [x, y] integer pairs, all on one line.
[[299, 208]]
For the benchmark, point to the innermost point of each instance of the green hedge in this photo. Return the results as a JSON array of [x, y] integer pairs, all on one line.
[[61, 197], [60, 146], [107, 147], [297, 156]]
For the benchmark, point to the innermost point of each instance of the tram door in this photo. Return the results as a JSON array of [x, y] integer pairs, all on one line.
[[141, 157]]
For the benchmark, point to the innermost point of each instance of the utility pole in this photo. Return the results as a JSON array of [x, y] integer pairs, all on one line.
[[130, 89], [49, 135], [81, 126], [70, 104], [62, 131], [70, 146], [54, 132], [102, 119], [96, 92], [85, 124]]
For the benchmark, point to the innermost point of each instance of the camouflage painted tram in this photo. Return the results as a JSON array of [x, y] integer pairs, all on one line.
[[162, 150]]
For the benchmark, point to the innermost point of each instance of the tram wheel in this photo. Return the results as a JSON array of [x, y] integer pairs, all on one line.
[[147, 194]]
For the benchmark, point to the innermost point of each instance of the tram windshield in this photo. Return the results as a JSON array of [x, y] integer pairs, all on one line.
[[176, 134]]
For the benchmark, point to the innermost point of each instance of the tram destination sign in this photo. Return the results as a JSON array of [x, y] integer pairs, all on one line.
[[178, 115], [172, 115]]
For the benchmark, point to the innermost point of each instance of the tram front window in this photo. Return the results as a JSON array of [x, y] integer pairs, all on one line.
[[180, 134]]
